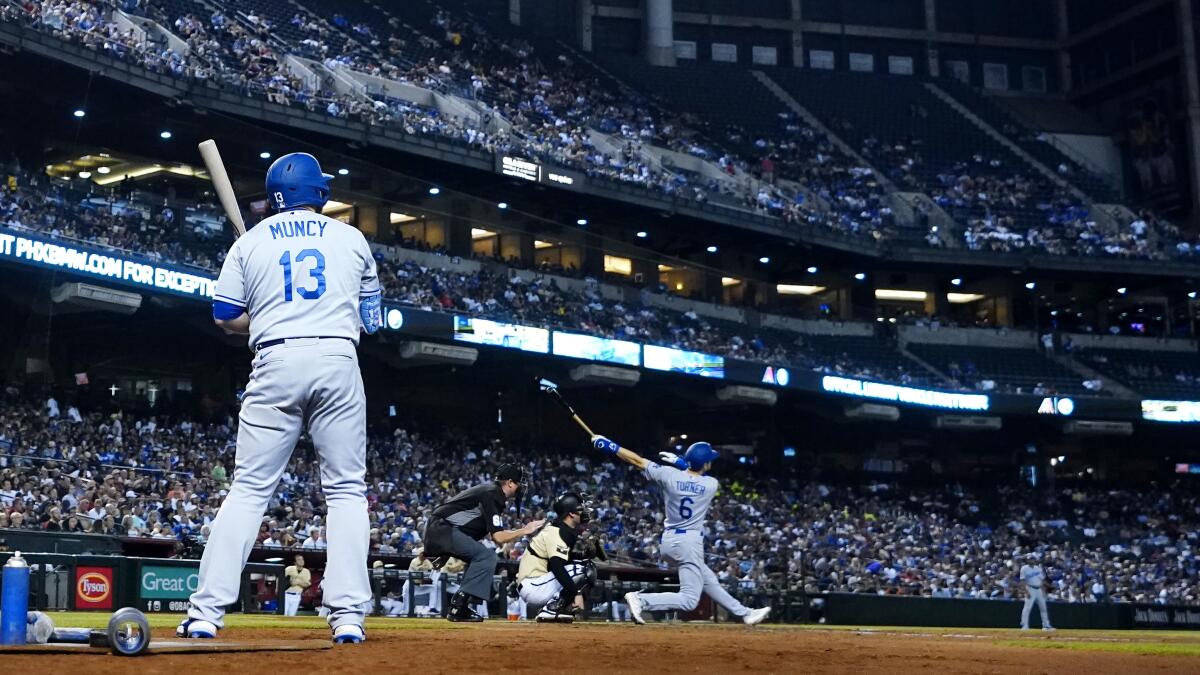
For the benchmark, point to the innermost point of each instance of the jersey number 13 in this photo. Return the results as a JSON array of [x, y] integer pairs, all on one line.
[[317, 273]]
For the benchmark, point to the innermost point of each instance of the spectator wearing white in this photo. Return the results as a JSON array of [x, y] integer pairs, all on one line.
[[299, 579], [1034, 578], [315, 540]]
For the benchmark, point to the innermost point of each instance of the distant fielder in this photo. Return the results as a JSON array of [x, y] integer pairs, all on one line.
[[688, 494], [302, 286], [1033, 577]]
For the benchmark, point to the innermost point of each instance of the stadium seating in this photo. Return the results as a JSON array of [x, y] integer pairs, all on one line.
[[1152, 373], [1011, 369]]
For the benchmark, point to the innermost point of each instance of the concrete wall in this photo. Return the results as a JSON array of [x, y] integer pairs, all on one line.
[[1098, 153], [847, 328], [1129, 342], [979, 337]]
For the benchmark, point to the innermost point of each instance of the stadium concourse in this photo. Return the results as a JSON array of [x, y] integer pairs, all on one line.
[[164, 476], [138, 223]]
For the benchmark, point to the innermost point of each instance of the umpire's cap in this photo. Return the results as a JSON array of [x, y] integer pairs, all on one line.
[[573, 502], [699, 454], [509, 472]]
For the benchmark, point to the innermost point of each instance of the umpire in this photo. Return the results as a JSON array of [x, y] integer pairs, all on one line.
[[457, 528]]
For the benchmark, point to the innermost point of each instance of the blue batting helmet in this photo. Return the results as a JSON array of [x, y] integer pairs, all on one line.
[[295, 180], [699, 454]]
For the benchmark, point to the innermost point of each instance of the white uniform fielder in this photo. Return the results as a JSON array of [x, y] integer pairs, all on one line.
[[688, 497], [1034, 577], [300, 276]]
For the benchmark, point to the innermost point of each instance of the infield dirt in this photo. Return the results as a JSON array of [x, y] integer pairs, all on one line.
[[438, 647]]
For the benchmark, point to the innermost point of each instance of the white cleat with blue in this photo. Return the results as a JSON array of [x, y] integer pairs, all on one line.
[[196, 628], [349, 634]]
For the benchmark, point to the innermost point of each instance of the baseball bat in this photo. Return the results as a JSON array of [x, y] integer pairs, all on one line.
[[220, 181], [552, 389]]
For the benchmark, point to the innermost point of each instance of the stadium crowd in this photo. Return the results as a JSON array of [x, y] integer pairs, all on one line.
[[542, 102], [63, 469]]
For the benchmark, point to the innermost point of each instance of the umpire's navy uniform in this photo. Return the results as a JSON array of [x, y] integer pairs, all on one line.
[[455, 530]]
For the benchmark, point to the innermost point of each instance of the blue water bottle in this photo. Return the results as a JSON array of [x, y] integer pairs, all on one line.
[[14, 601]]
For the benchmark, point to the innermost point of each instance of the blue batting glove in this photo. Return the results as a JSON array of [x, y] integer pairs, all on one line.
[[603, 444], [370, 310]]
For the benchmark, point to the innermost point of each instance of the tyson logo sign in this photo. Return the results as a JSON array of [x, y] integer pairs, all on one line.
[[93, 587]]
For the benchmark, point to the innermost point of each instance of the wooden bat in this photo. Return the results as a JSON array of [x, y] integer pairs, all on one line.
[[220, 180]]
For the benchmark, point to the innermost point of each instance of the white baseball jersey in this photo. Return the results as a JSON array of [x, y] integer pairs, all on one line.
[[299, 274], [687, 495], [1033, 576]]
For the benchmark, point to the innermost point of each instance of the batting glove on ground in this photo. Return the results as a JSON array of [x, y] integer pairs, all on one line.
[[603, 444]]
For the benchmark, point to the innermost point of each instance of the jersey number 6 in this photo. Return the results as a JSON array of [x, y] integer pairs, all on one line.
[[317, 272], [684, 511]]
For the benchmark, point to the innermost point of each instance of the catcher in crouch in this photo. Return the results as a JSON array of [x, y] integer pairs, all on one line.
[[557, 567]]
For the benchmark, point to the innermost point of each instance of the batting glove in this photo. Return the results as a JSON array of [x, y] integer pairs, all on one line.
[[674, 460], [370, 310], [605, 445]]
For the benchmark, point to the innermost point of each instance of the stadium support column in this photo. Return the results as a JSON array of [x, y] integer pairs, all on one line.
[[797, 34], [1187, 38], [458, 234], [587, 9], [660, 32], [931, 49], [514, 12], [1062, 31]]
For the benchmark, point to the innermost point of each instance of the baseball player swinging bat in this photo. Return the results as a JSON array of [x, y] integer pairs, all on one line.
[[220, 181]]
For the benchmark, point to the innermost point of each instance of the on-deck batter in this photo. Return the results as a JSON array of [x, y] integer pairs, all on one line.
[[688, 493], [302, 286]]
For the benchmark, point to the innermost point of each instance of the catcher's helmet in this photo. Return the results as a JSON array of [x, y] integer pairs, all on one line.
[[295, 180], [699, 454], [571, 502]]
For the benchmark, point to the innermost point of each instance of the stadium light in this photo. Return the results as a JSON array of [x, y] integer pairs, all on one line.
[[812, 269], [713, 249], [165, 135], [581, 222], [1122, 290], [1053, 461], [764, 260], [502, 205], [79, 112], [103, 170], [85, 174], [1192, 295], [642, 234], [1031, 285], [860, 276], [956, 281], [264, 155], [343, 172], [435, 191]]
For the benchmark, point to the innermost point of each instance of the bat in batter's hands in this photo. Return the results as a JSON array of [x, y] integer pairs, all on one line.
[[221, 184]]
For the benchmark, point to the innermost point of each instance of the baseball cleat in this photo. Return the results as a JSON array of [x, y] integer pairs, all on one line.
[[348, 634], [756, 616], [550, 616], [465, 615], [635, 607], [196, 628], [1048, 628]]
